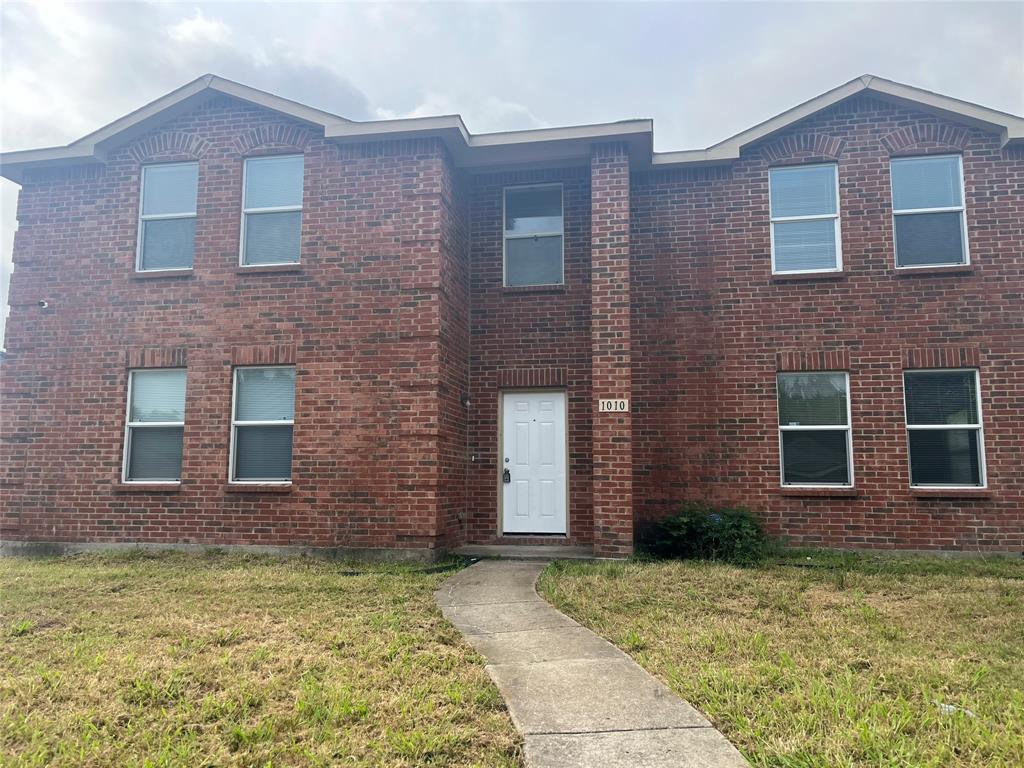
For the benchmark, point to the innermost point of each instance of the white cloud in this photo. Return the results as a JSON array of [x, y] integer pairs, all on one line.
[[200, 30], [491, 114]]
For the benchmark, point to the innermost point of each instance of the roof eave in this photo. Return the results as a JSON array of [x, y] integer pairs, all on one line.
[[566, 144], [91, 147]]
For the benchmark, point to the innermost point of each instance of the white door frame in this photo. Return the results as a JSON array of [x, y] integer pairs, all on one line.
[[501, 455]]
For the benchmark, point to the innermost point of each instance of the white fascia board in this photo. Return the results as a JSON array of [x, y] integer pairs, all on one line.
[[89, 148], [1010, 127], [412, 126], [535, 145], [541, 144]]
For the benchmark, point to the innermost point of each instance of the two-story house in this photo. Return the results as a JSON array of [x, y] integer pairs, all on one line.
[[236, 319]]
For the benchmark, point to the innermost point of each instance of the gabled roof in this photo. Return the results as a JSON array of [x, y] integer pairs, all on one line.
[[534, 146], [94, 147], [1009, 127]]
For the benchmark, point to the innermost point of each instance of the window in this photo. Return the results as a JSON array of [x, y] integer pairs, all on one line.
[[272, 210], [533, 235], [155, 426], [804, 204], [167, 217], [814, 429], [261, 424], [929, 219], [944, 428]]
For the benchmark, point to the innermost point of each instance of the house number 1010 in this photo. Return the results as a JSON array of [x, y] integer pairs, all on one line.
[[612, 406]]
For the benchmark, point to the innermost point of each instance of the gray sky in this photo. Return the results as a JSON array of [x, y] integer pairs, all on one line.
[[703, 71]]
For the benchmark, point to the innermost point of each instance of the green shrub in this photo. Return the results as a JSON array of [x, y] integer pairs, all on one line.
[[701, 531]]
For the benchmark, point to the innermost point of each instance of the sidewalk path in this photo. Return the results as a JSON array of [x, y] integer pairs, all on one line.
[[579, 701]]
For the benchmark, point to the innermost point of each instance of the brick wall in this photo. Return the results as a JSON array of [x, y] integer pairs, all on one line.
[[360, 318], [528, 337], [454, 351], [398, 311], [611, 362], [709, 322]]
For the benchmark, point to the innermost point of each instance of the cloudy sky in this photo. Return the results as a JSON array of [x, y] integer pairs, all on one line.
[[703, 71]]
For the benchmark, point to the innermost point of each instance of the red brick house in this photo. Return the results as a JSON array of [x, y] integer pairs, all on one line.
[[239, 320]]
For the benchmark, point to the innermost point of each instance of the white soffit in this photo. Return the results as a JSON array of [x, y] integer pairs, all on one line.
[[529, 147], [1009, 127]]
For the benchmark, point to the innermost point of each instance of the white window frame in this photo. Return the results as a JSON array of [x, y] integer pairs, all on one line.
[[235, 423], [962, 208], [816, 428], [143, 218], [272, 209], [816, 217], [129, 425], [979, 426], [505, 236]]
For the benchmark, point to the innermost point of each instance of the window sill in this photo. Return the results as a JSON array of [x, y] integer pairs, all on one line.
[[264, 269], [813, 493], [122, 487], [953, 269], [951, 493], [809, 277], [258, 488], [157, 274], [514, 289]]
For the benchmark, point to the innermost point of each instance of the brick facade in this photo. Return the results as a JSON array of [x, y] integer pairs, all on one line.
[[611, 361], [712, 326], [403, 338], [361, 318]]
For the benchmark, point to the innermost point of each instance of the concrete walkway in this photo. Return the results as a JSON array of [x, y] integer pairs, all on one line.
[[579, 701]]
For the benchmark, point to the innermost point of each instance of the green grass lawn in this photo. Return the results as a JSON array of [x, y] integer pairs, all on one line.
[[223, 660], [825, 660]]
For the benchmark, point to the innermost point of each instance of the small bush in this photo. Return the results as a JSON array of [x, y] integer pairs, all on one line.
[[705, 532]]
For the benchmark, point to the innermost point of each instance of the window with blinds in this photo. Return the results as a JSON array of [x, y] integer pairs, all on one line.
[[263, 415], [804, 208], [944, 430], [167, 217], [272, 210], [155, 427], [533, 235], [815, 441], [929, 217]]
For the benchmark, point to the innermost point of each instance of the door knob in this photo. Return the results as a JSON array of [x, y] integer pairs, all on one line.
[[506, 476]]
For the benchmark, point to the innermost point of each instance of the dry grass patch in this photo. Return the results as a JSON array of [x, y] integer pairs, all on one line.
[[825, 660], [185, 660]]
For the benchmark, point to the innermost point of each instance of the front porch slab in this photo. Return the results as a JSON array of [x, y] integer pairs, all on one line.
[[531, 552]]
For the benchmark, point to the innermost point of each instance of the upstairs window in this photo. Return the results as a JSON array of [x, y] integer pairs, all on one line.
[[533, 235], [263, 416], [272, 210], [155, 427], [814, 429], [804, 203], [929, 218], [944, 428], [167, 217]]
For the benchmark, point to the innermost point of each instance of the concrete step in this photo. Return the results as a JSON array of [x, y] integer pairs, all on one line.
[[525, 552]]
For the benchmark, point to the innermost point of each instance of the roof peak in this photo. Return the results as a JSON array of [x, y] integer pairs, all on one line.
[[539, 145]]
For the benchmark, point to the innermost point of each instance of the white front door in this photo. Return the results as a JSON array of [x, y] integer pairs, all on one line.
[[533, 462]]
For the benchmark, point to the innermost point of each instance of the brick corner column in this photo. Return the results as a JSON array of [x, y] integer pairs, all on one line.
[[611, 369]]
